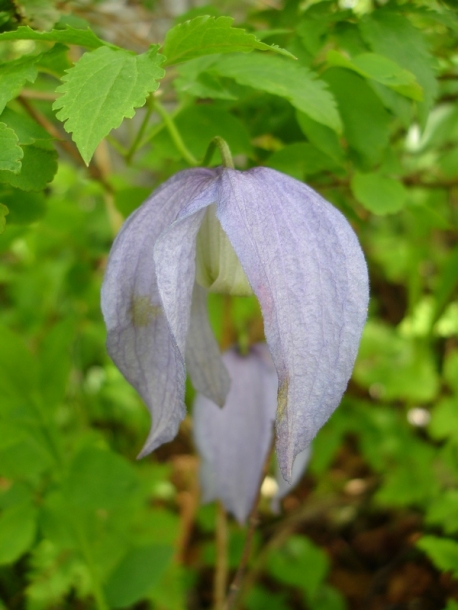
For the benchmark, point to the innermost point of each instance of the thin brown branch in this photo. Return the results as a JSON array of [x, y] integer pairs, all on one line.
[[253, 520], [220, 580], [32, 94]]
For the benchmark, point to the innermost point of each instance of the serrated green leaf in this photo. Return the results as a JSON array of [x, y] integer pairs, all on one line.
[[380, 69], [83, 38], [379, 194], [287, 79], [208, 35], [10, 151], [443, 552], [39, 165], [366, 122], [102, 89], [3, 212], [392, 35], [13, 75]]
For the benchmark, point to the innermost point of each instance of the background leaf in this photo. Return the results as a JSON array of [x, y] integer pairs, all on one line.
[[379, 194], [10, 153], [208, 35], [285, 78]]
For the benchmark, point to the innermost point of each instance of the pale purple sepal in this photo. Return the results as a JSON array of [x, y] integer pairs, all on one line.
[[307, 269], [233, 442], [299, 466], [203, 359], [139, 337]]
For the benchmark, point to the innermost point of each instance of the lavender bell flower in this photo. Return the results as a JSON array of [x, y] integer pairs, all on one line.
[[234, 441], [234, 232]]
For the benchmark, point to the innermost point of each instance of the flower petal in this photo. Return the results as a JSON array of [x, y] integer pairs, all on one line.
[[299, 466], [307, 269], [234, 441], [203, 359], [175, 261], [139, 339]]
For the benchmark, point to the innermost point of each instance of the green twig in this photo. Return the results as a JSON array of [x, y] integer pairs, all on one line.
[[175, 134], [138, 138]]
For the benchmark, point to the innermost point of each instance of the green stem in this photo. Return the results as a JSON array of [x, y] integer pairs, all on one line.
[[138, 138], [175, 134], [116, 145], [224, 151]]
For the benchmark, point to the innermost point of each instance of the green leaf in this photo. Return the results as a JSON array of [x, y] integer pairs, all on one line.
[[443, 511], [10, 152], [3, 212], [24, 208], [13, 76], [380, 69], [39, 165], [26, 129], [285, 78], [366, 122], [442, 552], [393, 367], [101, 89], [208, 35], [17, 532], [300, 564], [18, 377], [379, 194], [392, 35], [138, 571], [99, 479], [128, 199], [324, 138], [83, 38], [300, 159], [40, 14]]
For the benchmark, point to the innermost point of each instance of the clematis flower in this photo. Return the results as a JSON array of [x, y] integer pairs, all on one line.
[[237, 232], [234, 442]]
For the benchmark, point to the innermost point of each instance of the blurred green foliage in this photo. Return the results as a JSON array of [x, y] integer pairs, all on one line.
[[367, 115]]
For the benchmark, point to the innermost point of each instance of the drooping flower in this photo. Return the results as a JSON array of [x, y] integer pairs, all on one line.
[[236, 231], [233, 441]]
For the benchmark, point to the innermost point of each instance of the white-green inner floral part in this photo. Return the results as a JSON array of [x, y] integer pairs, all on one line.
[[218, 268]]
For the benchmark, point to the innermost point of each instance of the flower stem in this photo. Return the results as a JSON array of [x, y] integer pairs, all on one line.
[[224, 150], [220, 579], [138, 138], [236, 585], [175, 134]]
